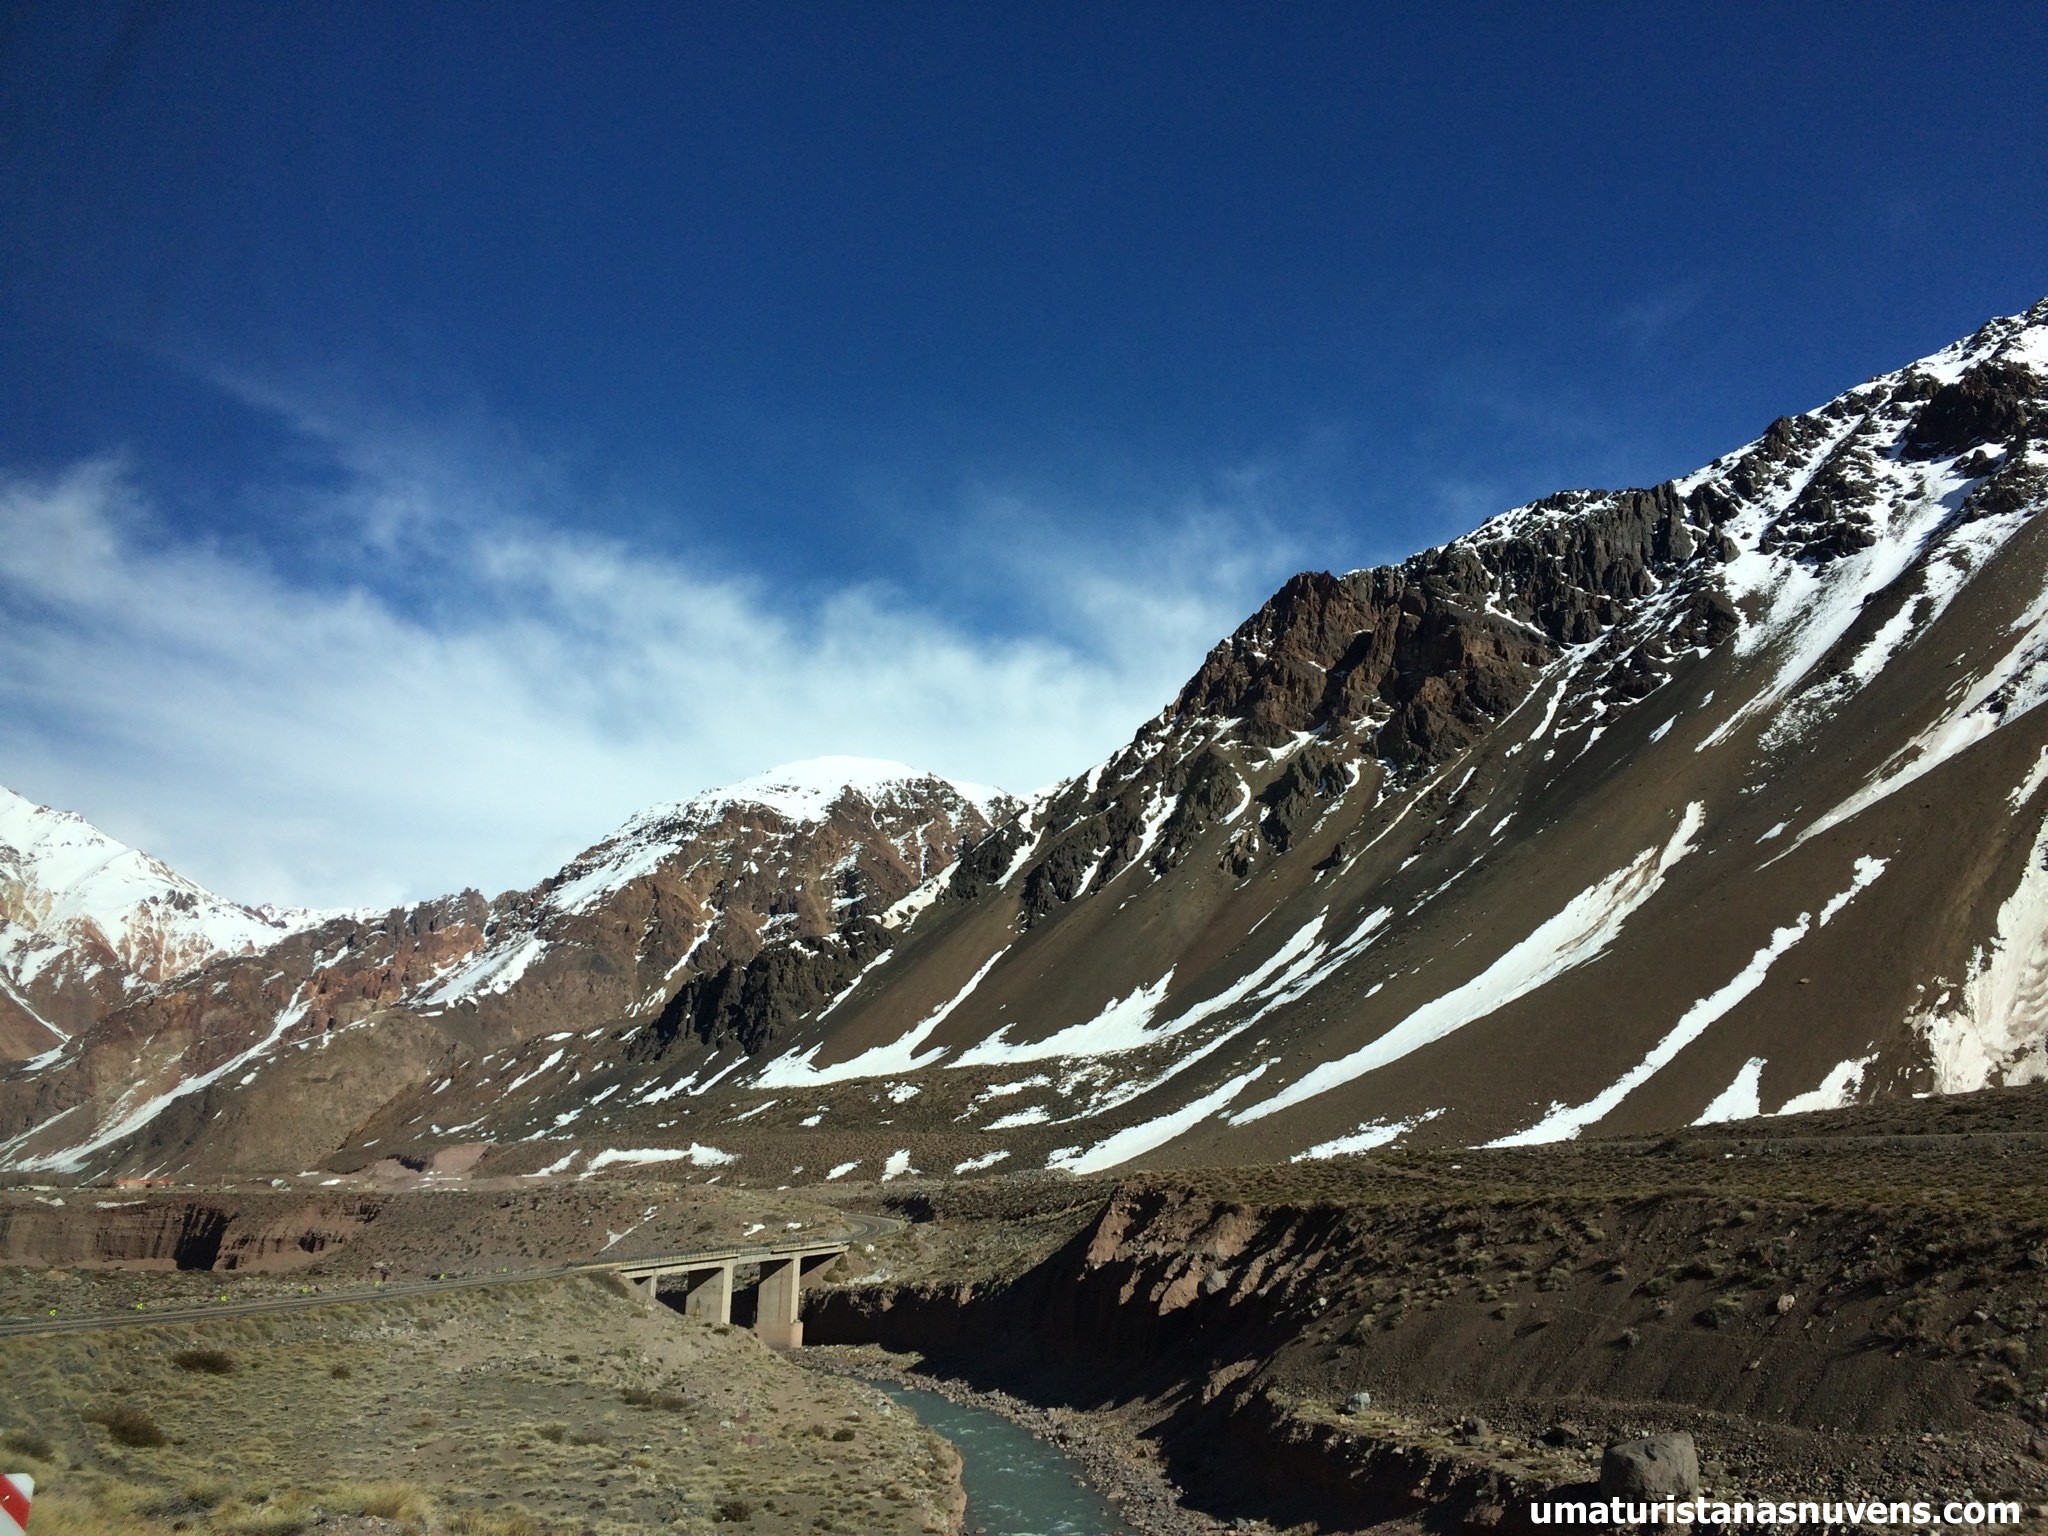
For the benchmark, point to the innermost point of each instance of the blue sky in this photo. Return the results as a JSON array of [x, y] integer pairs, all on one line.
[[428, 434]]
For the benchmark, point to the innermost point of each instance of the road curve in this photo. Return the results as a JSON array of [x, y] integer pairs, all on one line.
[[860, 1228]]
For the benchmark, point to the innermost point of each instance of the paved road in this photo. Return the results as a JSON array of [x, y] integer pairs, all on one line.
[[859, 1229]]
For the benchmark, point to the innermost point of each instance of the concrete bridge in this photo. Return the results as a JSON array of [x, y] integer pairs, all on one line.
[[707, 1278]]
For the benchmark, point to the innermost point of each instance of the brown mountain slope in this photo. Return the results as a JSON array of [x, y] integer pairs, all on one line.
[[1624, 810]]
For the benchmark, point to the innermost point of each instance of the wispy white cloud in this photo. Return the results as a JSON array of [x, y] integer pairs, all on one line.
[[478, 688], [1649, 318]]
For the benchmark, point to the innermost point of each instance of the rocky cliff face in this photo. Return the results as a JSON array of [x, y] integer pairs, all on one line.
[[1628, 809]]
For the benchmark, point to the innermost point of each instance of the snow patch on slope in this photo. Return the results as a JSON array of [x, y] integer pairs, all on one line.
[[1374, 1133], [1136, 1140], [695, 1155], [801, 794], [1564, 1123], [125, 1121], [1835, 1090], [1121, 1026], [495, 971], [807, 791], [1807, 608], [791, 1070], [2011, 687], [1996, 1030], [1741, 1099], [1576, 935]]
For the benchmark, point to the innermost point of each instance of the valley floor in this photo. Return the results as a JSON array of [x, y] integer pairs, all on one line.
[[554, 1407], [1845, 1305]]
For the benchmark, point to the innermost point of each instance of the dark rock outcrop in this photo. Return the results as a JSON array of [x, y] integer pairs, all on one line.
[[1993, 402], [1310, 781], [751, 1004], [1432, 652]]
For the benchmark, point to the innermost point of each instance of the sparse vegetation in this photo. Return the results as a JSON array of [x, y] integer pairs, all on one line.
[[475, 1392]]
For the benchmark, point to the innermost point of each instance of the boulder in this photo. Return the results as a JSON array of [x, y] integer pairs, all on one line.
[[1654, 1467], [1358, 1402]]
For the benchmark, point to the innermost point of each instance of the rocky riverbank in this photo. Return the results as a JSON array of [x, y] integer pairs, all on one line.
[[1116, 1462]]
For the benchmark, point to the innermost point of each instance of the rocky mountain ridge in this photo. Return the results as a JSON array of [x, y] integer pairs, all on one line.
[[342, 1014], [1627, 810]]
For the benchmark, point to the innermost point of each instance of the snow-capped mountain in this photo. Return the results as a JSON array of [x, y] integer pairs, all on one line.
[[1628, 810], [350, 1010], [86, 923]]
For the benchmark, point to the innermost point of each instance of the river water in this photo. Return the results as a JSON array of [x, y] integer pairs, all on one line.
[[1017, 1485]]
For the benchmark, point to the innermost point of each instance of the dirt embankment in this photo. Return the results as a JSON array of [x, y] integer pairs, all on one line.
[[1810, 1345], [401, 1234], [178, 1233]]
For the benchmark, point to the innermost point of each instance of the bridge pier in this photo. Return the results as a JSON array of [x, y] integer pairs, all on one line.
[[710, 1295], [776, 1320], [708, 1275]]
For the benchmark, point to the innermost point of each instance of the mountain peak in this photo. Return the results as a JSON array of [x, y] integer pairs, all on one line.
[[805, 791], [85, 920]]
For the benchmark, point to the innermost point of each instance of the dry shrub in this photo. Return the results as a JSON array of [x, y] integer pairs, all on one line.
[[477, 1522], [1999, 1389], [208, 1493], [129, 1425], [62, 1514], [29, 1442], [269, 1520], [207, 1362], [640, 1397], [387, 1501]]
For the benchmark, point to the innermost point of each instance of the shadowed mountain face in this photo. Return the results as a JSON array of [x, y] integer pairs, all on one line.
[[1627, 810]]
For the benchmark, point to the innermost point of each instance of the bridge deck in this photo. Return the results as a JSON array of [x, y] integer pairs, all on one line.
[[707, 1258]]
